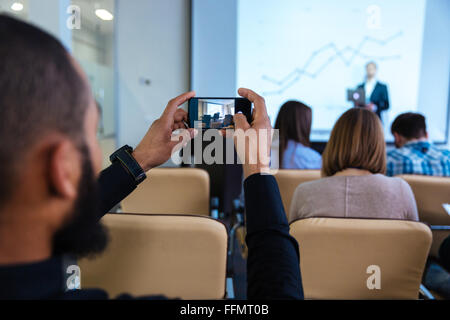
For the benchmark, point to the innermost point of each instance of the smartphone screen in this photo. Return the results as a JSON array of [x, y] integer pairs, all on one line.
[[217, 113]]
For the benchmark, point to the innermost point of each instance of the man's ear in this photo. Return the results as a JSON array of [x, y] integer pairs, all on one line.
[[65, 170], [397, 139]]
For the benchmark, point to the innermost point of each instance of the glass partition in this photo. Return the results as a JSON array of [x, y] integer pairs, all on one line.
[[86, 27]]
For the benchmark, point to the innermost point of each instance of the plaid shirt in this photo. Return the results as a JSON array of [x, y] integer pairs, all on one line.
[[421, 157]]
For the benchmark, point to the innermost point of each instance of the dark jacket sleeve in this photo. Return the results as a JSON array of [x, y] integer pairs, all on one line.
[[273, 269], [115, 184], [383, 101]]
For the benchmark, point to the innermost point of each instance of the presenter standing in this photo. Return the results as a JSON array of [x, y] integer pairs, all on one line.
[[376, 93]]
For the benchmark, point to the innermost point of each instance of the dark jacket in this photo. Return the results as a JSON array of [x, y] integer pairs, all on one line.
[[379, 96], [273, 255]]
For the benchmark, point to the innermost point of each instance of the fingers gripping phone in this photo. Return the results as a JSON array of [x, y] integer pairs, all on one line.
[[217, 113]]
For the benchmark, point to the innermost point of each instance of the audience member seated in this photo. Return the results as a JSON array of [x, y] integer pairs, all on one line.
[[444, 254], [206, 121], [437, 277], [354, 185], [228, 120], [52, 194], [414, 153], [294, 125]]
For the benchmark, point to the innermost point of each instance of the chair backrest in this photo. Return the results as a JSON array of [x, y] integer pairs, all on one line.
[[288, 181], [177, 256], [343, 258], [171, 191], [431, 193]]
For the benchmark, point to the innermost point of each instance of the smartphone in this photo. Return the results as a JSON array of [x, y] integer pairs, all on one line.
[[217, 113]]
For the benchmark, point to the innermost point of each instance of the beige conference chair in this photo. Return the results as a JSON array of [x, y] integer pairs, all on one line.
[[288, 181], [431, 193], [171, 191], [361, 258], [178, 256]]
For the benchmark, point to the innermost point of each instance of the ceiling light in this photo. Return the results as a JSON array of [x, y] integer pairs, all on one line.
[[104, 14], [17, 6]]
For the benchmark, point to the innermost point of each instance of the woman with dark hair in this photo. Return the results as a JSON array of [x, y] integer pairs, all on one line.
[[294, 125]]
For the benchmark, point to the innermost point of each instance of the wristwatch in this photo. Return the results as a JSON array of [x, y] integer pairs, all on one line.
[[124, 157]]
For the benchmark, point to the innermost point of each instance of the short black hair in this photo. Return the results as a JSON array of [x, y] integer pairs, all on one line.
[[40, 92], [410, 125]]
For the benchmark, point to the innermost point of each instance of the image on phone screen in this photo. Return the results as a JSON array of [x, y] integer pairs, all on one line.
[[216, 113]]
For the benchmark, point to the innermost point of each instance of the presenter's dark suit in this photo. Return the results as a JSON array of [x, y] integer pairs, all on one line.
[[273, 255], [379, 97]]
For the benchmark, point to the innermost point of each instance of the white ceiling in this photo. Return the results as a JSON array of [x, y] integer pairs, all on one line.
[[5, 6], [87, 7], [88, 16]]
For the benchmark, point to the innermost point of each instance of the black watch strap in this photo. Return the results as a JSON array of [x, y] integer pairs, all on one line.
[[124, 157]]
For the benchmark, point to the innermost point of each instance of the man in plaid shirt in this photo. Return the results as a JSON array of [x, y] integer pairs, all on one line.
[[414, 154]]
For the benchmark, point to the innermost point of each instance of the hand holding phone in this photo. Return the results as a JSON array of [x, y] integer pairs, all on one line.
[[255, 148]]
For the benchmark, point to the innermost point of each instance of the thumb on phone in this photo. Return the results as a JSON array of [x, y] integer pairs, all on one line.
[[240, 121]]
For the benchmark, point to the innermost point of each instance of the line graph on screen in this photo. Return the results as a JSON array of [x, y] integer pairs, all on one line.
[[347, 55]]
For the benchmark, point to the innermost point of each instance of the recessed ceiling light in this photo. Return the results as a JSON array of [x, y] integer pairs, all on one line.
[[104, 14], [17, 6]]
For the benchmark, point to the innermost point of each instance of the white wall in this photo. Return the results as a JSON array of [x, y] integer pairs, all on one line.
[[435, 71], [90, 45], [214, 51], [152, 41], [52, 16]]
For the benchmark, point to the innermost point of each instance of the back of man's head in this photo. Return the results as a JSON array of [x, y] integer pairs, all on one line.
[[41, 92], [50, 154], [410, 126]]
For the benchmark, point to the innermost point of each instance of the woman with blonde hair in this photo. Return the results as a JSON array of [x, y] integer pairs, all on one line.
[[353, 183]]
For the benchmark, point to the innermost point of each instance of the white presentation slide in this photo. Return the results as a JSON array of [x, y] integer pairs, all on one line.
[[313, 51]]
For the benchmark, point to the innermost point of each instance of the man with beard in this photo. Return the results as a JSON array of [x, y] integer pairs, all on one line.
[[52, 198]]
